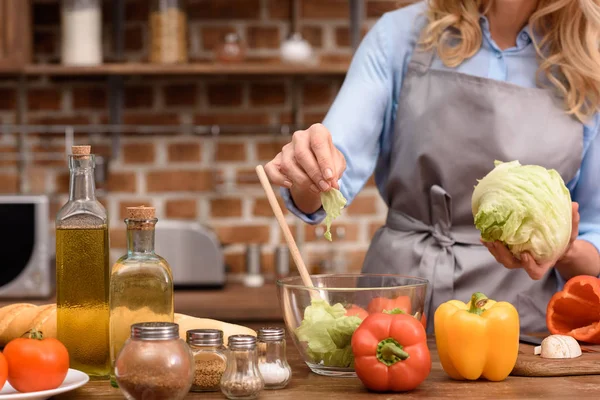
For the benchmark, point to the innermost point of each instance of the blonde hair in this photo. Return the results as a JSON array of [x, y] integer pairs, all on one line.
[[568, 49]]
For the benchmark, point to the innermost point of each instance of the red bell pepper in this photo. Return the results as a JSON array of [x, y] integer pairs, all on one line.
[[356, 311], [390, 352], [575, 311], [381, 304]]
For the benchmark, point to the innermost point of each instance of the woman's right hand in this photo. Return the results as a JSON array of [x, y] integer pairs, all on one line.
[[308, 165]]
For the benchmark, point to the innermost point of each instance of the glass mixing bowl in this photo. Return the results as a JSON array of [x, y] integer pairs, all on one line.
[[321, 319]]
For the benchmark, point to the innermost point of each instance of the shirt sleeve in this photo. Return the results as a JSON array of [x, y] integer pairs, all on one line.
[[357, 116]]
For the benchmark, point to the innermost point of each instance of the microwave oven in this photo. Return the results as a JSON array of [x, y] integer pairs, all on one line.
[[27, 263]]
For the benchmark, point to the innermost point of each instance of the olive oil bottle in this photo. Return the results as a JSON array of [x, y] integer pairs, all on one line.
[[141, 282], [83, 271]]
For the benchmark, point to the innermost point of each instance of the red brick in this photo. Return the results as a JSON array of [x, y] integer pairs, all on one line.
[[184, 152], [317, 94], [179, 181], [44, 99], [336, 58], [150, 119], [225, 207], [7, 99], [223, 10], [246, 177], [61, 182], [45, 42], [137, 10], [279, 9], [132, 203], [214, 36], [11, 151], [138, 153], [263, 37], [180, 95], [42, 156], [236, 262], [139, 96], [230, 152], [356, 260], [376, 8], [330, 9], [121, 182], [342, 36], [36, 179], [363, 205], [374, 227], [181, 208], [89, 98], [262, 207], [134, 38], [60, 120], [243, 234], [313, 35], [118, 238], [9, 183], [310, 118], [267, 151], [225, 94], [267, 94], [234, 119]]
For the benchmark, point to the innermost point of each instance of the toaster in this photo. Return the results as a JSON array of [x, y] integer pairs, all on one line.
[[194, 253]]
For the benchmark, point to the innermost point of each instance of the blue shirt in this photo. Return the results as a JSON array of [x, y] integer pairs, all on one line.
[[361, 119]]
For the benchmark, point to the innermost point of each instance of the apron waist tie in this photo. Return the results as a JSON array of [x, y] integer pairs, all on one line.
[[437, 261]]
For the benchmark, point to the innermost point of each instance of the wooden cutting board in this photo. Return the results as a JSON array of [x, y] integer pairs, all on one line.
[[529, 364]]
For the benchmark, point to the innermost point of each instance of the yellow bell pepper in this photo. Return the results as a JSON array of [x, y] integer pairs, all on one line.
[[477, 339]]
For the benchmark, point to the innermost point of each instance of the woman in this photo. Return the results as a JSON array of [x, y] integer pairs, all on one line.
[[436, 92]]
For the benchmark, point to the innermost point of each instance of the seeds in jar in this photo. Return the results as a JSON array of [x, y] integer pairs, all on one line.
[[209, 371], [246, 387], [141, 386]]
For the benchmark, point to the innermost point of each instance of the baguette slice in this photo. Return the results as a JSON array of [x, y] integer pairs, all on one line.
[[187, 322]]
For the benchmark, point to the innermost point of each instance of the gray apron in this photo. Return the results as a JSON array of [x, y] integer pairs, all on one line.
[[449, 129]]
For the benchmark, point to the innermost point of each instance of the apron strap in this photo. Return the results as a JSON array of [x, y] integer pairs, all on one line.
[[422, 57], [437, 261]]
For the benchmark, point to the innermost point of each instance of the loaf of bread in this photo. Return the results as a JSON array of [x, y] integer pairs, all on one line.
[[18, 319]]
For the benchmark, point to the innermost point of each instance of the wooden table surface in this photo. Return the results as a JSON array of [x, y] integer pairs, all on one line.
[[307, 385]]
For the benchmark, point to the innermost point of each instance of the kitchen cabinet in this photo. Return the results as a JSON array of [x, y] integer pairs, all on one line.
[[15, 35]]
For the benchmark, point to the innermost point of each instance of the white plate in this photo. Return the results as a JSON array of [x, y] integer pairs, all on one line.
[[73, 380]]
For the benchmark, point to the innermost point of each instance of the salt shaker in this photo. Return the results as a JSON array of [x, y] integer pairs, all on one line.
[[253, 277], [242, 379], [272, 361]]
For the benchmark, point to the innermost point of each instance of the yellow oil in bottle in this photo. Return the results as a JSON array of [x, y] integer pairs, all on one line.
[[141, 283], [82, 280]]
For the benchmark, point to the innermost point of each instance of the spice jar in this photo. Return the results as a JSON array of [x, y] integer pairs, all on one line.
[[168, 32], [81, 32], [155, 363], [272, 361], [209, 358], [242, 379]]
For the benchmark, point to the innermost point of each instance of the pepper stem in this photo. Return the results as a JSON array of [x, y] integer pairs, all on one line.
[[389, 352], [394, 311], [478, 301], [34, 334]]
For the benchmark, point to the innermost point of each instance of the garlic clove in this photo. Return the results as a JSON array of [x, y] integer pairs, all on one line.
[[558, 346]]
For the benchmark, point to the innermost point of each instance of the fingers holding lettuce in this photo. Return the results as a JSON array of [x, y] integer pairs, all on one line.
[[525, 216]]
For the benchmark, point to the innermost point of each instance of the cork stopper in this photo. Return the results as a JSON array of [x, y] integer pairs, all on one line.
[[81, 152], [141, 212]]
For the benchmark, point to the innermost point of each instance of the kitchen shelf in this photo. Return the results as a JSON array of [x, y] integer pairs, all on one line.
[[200, 68]]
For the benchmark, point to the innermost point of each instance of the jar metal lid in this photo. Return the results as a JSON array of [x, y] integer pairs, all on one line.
[[270, 334], [241, 342], [204, 337], [155, 331]]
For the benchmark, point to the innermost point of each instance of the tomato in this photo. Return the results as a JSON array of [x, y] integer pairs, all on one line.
[[36, 363], [3, 370], [357, 311]]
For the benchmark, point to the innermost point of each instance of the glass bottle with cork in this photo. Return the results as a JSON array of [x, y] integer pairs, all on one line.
[[83, 271], [141, 284]]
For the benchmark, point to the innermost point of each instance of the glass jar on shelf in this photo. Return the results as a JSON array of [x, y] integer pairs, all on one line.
[[155, 363], [231, 50], [81, 32], [141, 282], [168, 32]]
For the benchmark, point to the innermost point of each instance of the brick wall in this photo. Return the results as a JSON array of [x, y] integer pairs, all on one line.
[[189, 177]]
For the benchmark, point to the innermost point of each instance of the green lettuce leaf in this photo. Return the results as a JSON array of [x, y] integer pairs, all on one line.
[[526, 207], [333, 204], [327, 332]]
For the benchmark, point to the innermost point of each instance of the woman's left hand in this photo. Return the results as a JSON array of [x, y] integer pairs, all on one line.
[[534, 270]]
